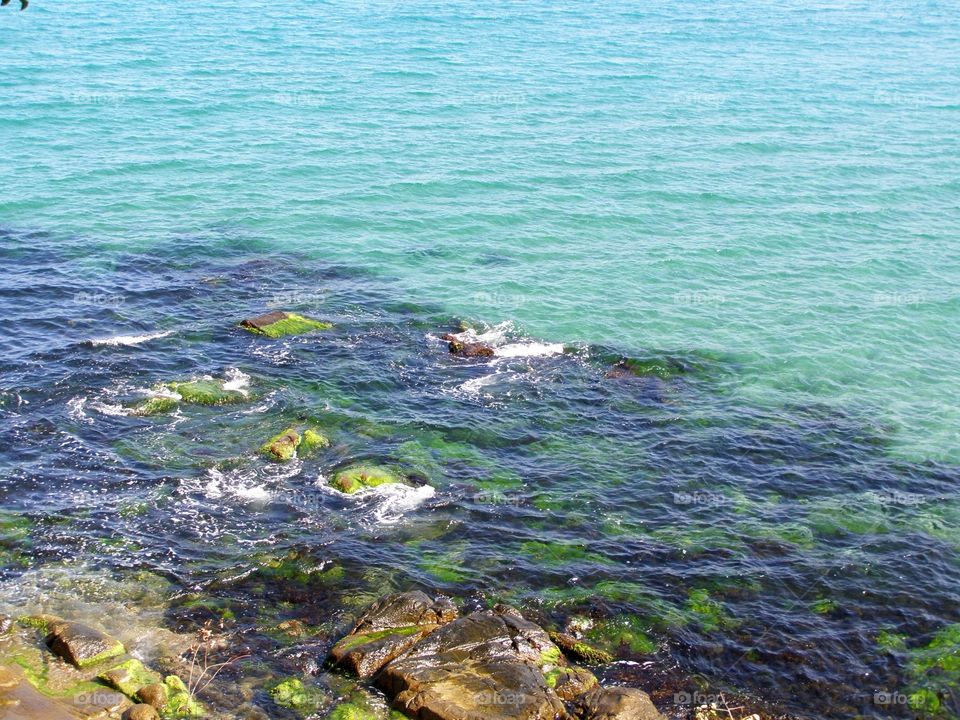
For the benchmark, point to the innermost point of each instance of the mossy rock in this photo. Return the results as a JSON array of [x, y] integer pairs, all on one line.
[[180, 701], [128, 677], [282, 324], [353, 711], [579, 650], [284, 446], [622, 631], [207, 391], [158, 405], [293, 694], [359, 477]]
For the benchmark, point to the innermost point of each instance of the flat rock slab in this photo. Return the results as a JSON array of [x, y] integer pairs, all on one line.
[[389, 628], [81, 645], [616, 704], [20, 701], [405, 609], [486, 666], [279, 324]]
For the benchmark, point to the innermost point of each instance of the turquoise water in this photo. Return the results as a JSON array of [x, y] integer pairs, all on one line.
[[774, 181], [714, 244]]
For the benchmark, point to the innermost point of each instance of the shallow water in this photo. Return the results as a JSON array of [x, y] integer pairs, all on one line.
[[767, 551]]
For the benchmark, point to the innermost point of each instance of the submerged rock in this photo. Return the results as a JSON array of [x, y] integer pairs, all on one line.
[[392, 626], [616, 704], [579, 650], [279, 324], [292, 693], [358, 477], [82, 645], [290, 442], [205, 391], [463, 348], [20, 700]]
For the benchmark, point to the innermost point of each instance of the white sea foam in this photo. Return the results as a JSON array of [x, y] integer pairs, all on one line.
[[130, 339], [385, 504], [236, 380], [528, 349]]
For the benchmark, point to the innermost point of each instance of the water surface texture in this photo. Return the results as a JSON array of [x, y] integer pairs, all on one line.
[[755, 202]]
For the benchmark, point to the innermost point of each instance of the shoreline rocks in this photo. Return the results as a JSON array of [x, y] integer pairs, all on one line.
[[462, 348], [488, 665]]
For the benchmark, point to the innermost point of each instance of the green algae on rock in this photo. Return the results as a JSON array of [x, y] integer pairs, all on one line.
[[82, 645], [128, 677], [203, 391], [280, 324], [180, 701], [290, 443], [293, 694], [358, 477], [158, 405]]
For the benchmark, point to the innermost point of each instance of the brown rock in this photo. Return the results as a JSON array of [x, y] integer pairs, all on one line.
[[141, 712], [571, 682], [388, 629], [616, 704], [20, 701], [486, 666], [262, 321], [81, 645], [154, 694]]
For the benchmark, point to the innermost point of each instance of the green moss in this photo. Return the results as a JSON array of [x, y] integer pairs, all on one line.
[[107, 654], [180, 701], [622, 631], [353, 641], [128, 677], [933, 672], [292, 693], [552, 676], [890, 641], [353, 711], [559, 554], [155, 406], [359, 477], [283, 446], [292, 324], [205, 392], [709, 612], [823, 606], [551, 656], [311, 442]]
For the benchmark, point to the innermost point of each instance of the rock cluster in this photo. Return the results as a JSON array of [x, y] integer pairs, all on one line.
[[488, 665]]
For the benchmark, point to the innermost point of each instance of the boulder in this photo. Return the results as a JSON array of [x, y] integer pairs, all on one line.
[[154, 694], [467, 349], [358, 477], [141, 712], [616, 703], [81, 645], [19, 700], [290, 442], [388, 629], [128, 677], [579, 650], [485, 666], [280, 324], [570, 682]]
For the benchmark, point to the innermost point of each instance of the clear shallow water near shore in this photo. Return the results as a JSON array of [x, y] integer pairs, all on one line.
[[760, 198]]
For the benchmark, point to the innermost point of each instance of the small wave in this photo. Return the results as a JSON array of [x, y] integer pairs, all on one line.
[[236, 380], [130, 339], [386, 504], [528, 349], [242, 486]]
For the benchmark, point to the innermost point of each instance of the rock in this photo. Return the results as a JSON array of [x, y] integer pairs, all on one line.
[[154, 694], [359, 477], [616, 704], [82, 645], [141, 712], [128, 677], [486, 666], [570, 682], [280, 324], [208, 391], [180, 701], [155, 406], [98, 704], [389, 628], [292, 693], [467, 349], [409, 608], [579, 650], [290, 442], [282, 447], [353, 711], [19, 700]]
